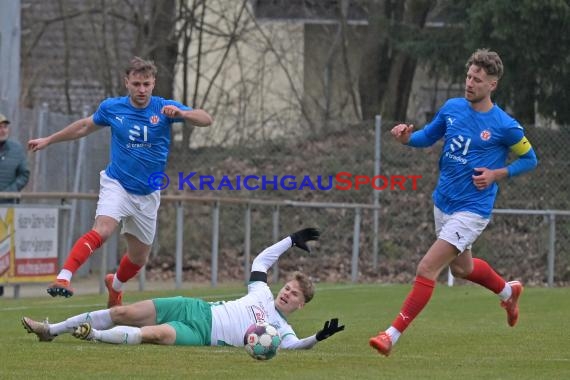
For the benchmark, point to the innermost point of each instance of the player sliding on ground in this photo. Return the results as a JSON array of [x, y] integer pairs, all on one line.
[[478, 136], [140, 143], [195, 322]]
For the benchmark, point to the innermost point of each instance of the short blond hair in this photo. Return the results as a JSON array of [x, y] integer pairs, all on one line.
[[305, 283], [488, 61], [141, 66]]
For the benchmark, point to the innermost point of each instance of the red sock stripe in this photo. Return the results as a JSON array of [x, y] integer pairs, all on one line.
[[417, 299], [485, 276], [82, 249], [127, 269]]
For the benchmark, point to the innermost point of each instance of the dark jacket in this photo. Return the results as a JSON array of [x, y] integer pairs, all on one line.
[[14, 171]]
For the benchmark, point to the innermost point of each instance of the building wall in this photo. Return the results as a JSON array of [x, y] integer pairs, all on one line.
[[258, 82], [70, 53]]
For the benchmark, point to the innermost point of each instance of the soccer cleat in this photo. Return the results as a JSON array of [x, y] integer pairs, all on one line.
[[83, 332], [382, 343], [512, 304], [115, 297], [60, 288], [41, 329]]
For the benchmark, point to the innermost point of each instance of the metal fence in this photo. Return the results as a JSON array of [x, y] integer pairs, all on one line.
[[517, 243], [215, 239]]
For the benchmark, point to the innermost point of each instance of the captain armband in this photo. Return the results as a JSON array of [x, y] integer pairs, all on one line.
[[522, 147]]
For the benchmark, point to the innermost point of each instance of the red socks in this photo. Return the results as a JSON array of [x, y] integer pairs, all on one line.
[[485, 276], [83, 248], [422, 290], [415, 302], [127, 269]]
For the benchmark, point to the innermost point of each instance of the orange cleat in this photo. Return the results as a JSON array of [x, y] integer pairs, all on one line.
[[115, 297], [512, 304], [60, 288], [382, 343]]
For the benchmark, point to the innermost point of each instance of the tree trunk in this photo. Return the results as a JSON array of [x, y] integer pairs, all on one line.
[[165, 53], [373, 68], [387, 72], [402, 65]]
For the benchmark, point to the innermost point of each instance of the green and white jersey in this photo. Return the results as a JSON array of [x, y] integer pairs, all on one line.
[[230, 319]]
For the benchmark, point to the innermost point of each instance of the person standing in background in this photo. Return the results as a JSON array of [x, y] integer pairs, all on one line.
[[14, 171]]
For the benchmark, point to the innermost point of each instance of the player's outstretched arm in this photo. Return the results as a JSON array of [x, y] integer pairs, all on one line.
[[196, 117], [330, 328], [300, 238], [291, 342], [73, 131], [199, 118], [271, 254], [402, 132]]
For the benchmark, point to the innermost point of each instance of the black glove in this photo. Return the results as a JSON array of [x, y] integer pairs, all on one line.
[[300, 238], [331, 328]]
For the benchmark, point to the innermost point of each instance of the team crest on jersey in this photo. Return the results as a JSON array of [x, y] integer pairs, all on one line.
[[258, 313], [154, 119], [485, 135]]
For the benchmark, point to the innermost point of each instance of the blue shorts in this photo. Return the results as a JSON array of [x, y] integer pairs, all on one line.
[[191, 318]]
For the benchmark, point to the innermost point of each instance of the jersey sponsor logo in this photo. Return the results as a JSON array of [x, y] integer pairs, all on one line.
[[450, 121], [137, 132], [120, 118], [154, 119], [460, 142], [485, 135], [139, 137], [459, 147]]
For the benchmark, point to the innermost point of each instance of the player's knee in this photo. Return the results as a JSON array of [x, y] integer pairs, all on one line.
[[426, 270], [158, 335], [460, 271], [120, 314]]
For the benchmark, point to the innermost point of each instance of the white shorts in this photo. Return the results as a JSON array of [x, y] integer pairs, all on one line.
[[460, 229], [137, 212]]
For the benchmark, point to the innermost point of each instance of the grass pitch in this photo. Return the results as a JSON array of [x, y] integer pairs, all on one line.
[[462, 334]]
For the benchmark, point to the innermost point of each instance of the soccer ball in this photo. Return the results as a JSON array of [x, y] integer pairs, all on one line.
[[261, 341]]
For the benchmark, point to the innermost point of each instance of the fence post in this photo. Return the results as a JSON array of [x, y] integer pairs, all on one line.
[[355, 245], [275, 240], [38, 171], [377, 147], [247, 243], [215, 242], [179, 243], [551, 247]]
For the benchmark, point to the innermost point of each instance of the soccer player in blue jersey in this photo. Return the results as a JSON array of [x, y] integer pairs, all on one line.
[[140, 143], [478, 136], [195, 322]]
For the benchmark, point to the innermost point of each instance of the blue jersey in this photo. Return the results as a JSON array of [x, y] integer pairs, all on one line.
[[471, 140], [140, 140]]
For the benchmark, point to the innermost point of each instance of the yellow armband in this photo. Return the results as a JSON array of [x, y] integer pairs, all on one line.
[[522, 147]]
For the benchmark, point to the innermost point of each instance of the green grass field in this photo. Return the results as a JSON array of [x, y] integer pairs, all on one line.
[[462, 334]]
